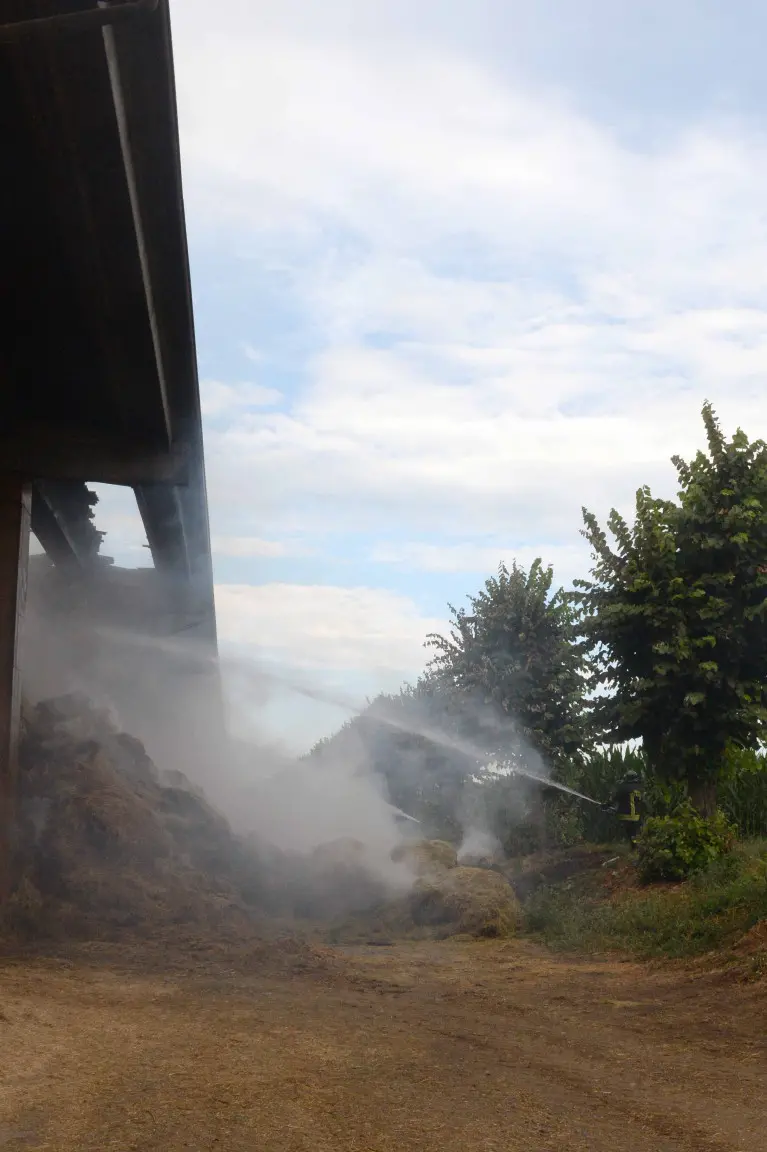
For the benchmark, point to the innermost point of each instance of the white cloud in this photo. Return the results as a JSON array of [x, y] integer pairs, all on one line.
[[117, 513], [254, 546], [568, 561], [252, 354], [367, 630], [220, 399], [559, 304]]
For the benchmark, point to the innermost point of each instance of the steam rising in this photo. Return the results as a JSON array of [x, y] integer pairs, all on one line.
[[478, 844], [166, 690]]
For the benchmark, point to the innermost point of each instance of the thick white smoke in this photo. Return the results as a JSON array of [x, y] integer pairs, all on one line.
[[168, 693]]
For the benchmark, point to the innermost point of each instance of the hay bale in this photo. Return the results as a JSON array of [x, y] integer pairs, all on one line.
[[341, 880], [101, 846], [345, 851], [754, 942], [96, 808], [486, 862], [467, 901], [23, 915], [427, 859]]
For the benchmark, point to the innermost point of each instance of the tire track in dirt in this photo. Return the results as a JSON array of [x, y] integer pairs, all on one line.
[[493, 1049]]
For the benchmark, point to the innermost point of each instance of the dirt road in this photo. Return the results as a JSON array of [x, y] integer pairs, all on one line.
[[434, 1047]]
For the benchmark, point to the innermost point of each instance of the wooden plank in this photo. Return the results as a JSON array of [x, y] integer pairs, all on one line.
[[163, 519], [70, 197], [15, 513], [62, 521], [61, 454]]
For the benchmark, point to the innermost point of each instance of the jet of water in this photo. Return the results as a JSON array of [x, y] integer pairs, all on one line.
[[555, 784], [258, 672]]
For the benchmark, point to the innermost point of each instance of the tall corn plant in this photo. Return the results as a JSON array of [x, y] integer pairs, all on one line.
[[597, 776], [743, 795], [743, 792]]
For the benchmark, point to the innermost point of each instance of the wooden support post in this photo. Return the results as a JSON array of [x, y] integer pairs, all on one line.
[[15, 511]]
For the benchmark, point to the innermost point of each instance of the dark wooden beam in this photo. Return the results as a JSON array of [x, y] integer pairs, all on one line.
[[15, 508], [74, 22], [70, 206], [95, 292], [52, 531], [62, 520], [62, 454], [162, 513], [124, 132]]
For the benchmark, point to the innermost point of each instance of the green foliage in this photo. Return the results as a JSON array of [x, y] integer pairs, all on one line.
[[597, 775], [714, 908], [674, 847], [514, 662], [526, 819], [743, 791], [664, 648], [424, 776], [675, 616]]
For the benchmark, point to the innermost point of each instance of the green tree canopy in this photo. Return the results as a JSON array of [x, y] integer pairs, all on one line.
[[674, 615], [406, 739], [513, 667]]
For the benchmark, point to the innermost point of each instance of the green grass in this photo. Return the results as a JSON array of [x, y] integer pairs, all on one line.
[[709, 912]]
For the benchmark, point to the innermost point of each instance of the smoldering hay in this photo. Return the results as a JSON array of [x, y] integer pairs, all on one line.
[[107, 844]]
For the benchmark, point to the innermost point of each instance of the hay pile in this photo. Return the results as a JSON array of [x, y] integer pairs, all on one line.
[[109, 849], [341, 879], [105, 846], [755, 940], [750, 952], [427, 859], [467, 902], [447, 899]]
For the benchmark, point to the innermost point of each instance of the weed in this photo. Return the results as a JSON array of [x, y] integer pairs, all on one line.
[[711, 910]]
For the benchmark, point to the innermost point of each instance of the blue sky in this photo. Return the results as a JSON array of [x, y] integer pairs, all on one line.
[[459, 268]]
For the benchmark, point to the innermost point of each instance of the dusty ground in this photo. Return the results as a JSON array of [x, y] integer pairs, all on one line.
[[424, 1046]]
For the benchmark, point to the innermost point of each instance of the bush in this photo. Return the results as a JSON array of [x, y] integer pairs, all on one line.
[[713, 910], [743, 791], [676, 846]]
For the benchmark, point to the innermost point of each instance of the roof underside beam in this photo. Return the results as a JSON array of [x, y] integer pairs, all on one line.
[[162, 513], [71, 204], [179, 548], [62, 454], [77, 21], [62, 520], [102, 358]]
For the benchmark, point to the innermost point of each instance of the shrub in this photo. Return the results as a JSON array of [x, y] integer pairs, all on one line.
[[676, 846], [743, 791], [714, 909]]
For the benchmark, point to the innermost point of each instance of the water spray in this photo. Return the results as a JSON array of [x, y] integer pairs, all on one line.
[[258, 673], [554, 784]]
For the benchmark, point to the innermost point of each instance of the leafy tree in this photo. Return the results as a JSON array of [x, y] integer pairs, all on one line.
[[406, 740], [674, 615], [674, 847], [513, 668], [415, 746], [508, 683]]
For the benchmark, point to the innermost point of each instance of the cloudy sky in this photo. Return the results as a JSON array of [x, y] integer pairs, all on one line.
[[460, 268]]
